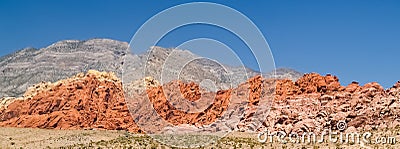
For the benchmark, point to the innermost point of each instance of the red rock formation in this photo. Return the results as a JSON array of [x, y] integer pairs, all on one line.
[[83, 102], [315, 103], [174, 116], [96, 100], [190, 91], [312, 103]]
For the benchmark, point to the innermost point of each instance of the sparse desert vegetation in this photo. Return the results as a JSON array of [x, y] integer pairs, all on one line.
[[46, 138]]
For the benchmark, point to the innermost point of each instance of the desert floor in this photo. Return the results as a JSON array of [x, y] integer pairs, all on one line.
[[46, 138]]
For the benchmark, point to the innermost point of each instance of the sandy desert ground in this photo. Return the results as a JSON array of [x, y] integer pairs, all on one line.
[[46, 138]]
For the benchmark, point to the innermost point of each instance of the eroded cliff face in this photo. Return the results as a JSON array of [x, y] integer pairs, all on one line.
[[312, 103], [316, 103], [92, 100]]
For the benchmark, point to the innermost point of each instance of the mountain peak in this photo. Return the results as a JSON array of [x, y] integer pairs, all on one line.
[[284, 73], [65, 58]]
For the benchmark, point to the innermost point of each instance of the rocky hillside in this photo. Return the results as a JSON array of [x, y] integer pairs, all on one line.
[[284, 73], [92, 100], [58, 61], [29, 66], [316, 103], [313, 103], [95, 100]]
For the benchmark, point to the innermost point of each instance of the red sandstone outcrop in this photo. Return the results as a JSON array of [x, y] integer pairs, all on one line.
[[94, 100], [316, 103], [313, 103], [167, 111]]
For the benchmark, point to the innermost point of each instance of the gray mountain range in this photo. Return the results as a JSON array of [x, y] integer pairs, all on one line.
[[63, 59]]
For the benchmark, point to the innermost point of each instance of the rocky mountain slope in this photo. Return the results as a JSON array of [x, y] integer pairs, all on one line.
[[313, 103], [94, 100], [316, 103], [296, 102], [29, 66], [58, 61]]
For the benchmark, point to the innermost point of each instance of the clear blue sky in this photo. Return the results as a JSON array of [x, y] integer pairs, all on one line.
[[355, 40]]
